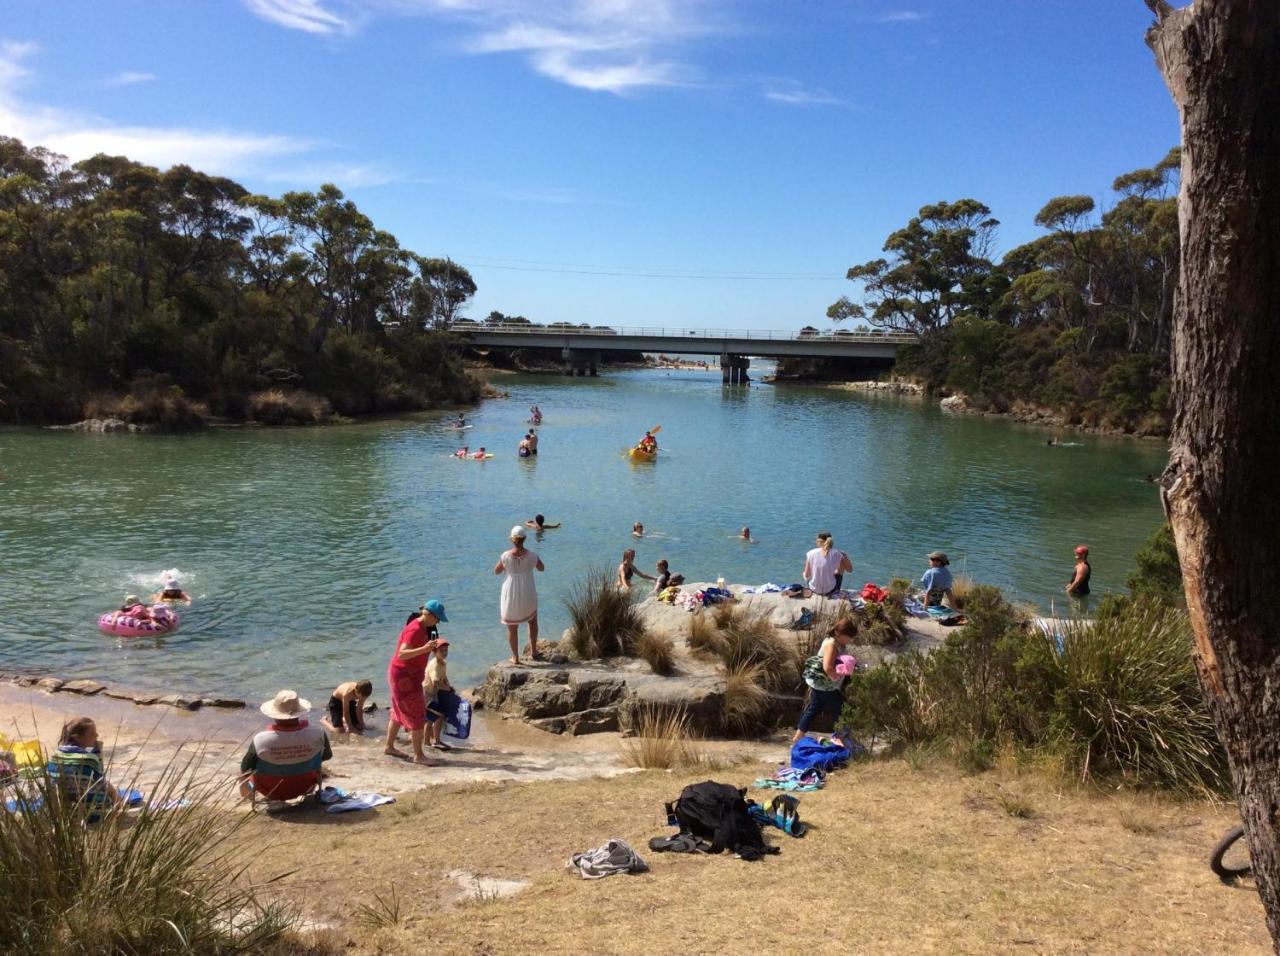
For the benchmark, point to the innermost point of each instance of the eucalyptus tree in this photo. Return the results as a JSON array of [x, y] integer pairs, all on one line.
[[1221, 62]]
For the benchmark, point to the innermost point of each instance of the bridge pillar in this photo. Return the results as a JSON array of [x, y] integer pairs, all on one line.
[[580, 362], [733, 369]]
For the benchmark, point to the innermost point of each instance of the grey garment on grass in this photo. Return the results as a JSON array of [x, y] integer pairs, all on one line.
[[616, 856]]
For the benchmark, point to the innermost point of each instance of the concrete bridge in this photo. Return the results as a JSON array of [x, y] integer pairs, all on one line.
[[580, 347]]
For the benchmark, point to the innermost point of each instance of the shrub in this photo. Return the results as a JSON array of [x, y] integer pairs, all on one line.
[[1118, 699], [151, 401], [277, 407], [1158, 575], [154, 881], [604, 620], [883, 622], [1129, 702], [658, 651], [746, 702], [961, 587]]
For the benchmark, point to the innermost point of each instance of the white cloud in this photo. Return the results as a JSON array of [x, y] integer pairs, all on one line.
[[793, 93], [614, 46], [129, 78], [306, 15], [901, 16], [77, 136]]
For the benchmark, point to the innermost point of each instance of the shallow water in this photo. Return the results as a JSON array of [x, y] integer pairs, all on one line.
[[305, 549]]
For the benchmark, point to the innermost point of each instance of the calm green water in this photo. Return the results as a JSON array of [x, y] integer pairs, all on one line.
[[305, 549]]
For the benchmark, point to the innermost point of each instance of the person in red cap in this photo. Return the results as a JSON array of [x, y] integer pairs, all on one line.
[[1078, 588]]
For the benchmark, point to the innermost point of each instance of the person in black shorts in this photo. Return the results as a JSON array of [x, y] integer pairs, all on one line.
[[346, 707]]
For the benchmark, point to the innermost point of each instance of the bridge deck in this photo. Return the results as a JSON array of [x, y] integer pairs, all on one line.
[[762, 343]]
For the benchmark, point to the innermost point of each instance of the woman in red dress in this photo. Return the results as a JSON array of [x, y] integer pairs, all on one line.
[[404, 676]]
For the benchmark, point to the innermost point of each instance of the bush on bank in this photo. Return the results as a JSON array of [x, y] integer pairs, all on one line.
[[1117, 699]]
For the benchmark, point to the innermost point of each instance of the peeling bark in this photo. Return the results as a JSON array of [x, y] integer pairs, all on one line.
[[1221, 62]]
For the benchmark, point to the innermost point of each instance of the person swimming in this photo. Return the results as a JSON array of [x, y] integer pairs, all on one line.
[[171, 591], [480, 454], [539, 523], [462, 452], [637, 530]]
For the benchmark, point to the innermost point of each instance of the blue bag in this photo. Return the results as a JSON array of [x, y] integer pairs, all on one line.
[[457, 714]]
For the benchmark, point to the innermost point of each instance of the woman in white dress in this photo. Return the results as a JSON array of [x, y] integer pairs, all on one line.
[[519, 594]]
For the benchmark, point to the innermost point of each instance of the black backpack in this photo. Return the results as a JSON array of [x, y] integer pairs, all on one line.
[[718, 812]]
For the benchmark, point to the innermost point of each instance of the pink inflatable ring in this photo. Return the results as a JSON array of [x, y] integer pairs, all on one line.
[[162, 621]]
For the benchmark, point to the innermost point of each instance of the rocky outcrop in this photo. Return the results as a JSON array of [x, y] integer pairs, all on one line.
[[91, 688], [598, 696], [103, 426]]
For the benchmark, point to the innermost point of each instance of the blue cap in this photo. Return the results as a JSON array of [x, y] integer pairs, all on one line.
[[436, 608]]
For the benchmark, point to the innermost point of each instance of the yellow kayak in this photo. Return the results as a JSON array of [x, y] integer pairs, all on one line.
[[639, 454]]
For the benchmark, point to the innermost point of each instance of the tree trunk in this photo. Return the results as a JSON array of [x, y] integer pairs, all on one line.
[[1221, 61]]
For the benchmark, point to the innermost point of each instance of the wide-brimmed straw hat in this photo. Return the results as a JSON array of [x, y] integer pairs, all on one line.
[[939, 556], [286, 705]]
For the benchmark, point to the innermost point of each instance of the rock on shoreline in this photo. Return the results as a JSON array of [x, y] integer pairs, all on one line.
[[91, 688]]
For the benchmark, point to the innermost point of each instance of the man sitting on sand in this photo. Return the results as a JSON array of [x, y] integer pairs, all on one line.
[[346, 707], [283, 761]]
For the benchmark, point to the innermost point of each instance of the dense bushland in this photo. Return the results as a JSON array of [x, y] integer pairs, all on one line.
[[163, 296], [1076, 322]]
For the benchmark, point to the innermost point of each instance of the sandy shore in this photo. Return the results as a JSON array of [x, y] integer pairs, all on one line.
[[142, 741]]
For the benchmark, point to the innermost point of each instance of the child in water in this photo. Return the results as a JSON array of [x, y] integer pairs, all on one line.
[[637, 530], [480, 454], [462, 452]]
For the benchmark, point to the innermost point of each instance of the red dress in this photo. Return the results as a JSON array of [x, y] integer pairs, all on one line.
[[404, 677]]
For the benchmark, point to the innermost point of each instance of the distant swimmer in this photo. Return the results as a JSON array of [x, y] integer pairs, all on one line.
[[539, 523], [746, 536], [171, 591], [1053, 442], [480, 454], [532, 439], [461, 422], [637, 530], [462, 452]]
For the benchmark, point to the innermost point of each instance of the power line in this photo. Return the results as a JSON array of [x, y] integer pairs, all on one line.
[[559, 269]]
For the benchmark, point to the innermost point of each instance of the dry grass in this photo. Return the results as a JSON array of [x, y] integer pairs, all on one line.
[[704, 635], [746, 702], [658, 651], [962, 586], [276, 406], [662, 741], [604, 619], [749, 640], [947, 874]]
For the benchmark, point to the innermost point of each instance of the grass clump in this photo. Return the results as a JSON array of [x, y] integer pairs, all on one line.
[[658, 651], [276, 406], [704, 635], [746, 701], [151, 400], [662, 740], [151, 881], [748, 640], [1117, 699], [604, 621]]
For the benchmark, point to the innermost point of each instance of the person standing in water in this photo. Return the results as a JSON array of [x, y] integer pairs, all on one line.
[[519, 601], [1078, 587]]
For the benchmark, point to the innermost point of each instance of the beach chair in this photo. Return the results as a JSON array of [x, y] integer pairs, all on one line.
[[281, 783], [24, 753]]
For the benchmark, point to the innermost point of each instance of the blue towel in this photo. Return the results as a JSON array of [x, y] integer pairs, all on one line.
[[807, 752]]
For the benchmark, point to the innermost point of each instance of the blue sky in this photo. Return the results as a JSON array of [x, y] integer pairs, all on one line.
[[541, 144]]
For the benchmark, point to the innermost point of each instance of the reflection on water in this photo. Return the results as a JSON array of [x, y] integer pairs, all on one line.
[[306, 548]]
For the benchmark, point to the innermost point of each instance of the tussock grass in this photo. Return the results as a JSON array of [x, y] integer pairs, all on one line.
[[658, 651], [1129, 701], [662, 740], [746, 702], [704, 634], [749, 640], [962, 586], [604, 619], [276, 406], [151, 401], [153, 881]]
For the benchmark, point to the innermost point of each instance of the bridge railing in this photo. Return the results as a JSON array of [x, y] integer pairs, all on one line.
[[763, 335]]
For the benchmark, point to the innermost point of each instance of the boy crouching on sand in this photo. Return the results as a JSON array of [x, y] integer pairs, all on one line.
[[346, 707]]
